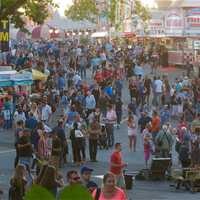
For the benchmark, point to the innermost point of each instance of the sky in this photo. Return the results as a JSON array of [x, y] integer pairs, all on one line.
[[62, 5]]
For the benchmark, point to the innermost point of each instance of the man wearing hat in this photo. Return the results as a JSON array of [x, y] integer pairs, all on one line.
[[85, 178]]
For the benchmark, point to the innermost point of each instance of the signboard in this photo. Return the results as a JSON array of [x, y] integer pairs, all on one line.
[[174, 23], [192, 21], [156, 27], [196, 44], [4, 35]]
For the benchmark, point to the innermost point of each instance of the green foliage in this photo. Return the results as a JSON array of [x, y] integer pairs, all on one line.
[[112, 11], [141, 11], [82, 10], [36, 10], [77, 192], [84, 40], [38, 192]]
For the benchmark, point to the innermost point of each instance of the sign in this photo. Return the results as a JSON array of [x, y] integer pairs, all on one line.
[[193, 18], [156, 27], [174, 23], [4, 35], [174, 20], [196, 44]]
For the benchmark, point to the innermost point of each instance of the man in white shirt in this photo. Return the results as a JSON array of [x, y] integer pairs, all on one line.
[[76, 78], [19, 115], [46, 112], [158, 90]]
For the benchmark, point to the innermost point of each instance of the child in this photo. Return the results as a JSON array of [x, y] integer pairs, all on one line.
[[147, 149]]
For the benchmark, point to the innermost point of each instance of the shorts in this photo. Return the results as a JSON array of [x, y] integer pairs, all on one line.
[[120, 182]]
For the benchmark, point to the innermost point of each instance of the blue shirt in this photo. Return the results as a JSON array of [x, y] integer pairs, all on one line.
[[61, 83], [90, 102], [139, 71], [71, 116]]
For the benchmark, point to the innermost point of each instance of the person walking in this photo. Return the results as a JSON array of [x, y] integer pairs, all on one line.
[[164, 142], [94, 133], [118, 110], [59, 130], [132, 132], [155, 124], [117, 165], [111, 118]]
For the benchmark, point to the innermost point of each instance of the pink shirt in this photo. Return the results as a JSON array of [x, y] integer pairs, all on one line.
[[119, 195], [111, 116]]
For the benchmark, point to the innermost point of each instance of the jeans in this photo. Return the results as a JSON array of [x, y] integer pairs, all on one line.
[[158, 98], [110, 134], [82, 72], [93, 149], [25, 160], [81, 154], [119, 116], [8, 124]]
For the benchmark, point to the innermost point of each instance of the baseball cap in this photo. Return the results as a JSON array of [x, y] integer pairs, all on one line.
[[86, 169]]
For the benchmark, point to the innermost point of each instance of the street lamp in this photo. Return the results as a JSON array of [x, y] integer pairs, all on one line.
[[51, 31], [56, 31]]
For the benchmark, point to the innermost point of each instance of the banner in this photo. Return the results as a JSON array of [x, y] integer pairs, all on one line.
[[4, 35]]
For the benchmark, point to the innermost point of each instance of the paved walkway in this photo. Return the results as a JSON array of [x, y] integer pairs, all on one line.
[[142, 190]]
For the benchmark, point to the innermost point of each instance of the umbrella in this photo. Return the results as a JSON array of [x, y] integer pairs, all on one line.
[[37, 75]]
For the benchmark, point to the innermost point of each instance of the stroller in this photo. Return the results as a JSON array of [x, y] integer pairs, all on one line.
[[103, 138]]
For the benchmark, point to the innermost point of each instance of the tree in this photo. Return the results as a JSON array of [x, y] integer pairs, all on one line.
[[112, 11], [87, 10], [17, 10], [141, 11], [82, 10]]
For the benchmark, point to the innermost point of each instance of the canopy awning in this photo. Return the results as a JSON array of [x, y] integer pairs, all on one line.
[[128, 34], [40, 32], [12, 78], [37, 75], [99, 34]]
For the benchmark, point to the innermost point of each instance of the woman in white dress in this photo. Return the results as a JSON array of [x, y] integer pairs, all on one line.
[[132, 132]]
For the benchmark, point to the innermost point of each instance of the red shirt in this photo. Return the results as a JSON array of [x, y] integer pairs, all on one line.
[[116, 158], [155, 124]]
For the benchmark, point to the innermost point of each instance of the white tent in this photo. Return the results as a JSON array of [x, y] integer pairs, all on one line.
[[99, 34]]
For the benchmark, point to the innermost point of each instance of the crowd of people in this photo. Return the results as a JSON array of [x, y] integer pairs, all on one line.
[[84, 90]]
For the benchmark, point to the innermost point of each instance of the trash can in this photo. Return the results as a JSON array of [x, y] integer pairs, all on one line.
[[128, 177]]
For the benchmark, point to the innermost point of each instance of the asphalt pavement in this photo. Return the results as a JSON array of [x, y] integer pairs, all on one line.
[[142, 190]]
